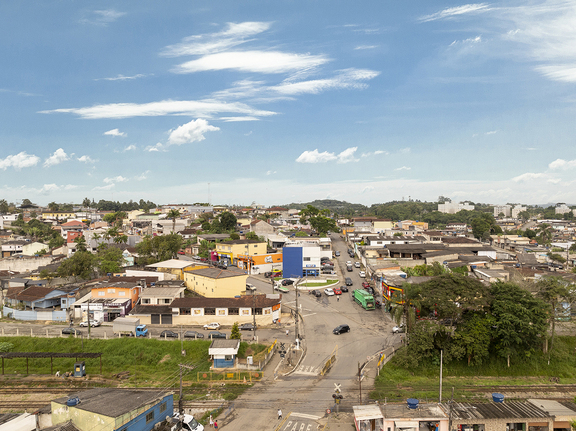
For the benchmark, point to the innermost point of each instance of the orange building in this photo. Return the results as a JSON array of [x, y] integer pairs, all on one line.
[[117, 290]]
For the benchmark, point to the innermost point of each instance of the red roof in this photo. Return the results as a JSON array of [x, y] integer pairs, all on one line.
[[74, 223]]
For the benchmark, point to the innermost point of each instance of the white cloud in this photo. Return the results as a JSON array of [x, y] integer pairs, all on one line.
[[456, 11], [129, 148], [102, 17], [527, 177], [114, 132], [143, 176], [190, 108], [118, 179], [361, 47], [234, 35], [374, 153], [493, 132], [554, 180], [19, 161], [238, 119], [191, 132], [367, 189], [47, 188], [86, 159], [108, 187], [562, 164], [121, 77], [70, 187], [403, 168], [58, 157], [405, 150], [270, 172], [153, 148], [315, 156], [349, 78], [253, 61]]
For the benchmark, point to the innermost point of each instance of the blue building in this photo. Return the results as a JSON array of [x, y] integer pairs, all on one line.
[[223, 353]]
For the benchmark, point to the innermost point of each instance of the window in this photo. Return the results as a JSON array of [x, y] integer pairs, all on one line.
[[101, 293], [163, 407], [258, 311], [121, 293], [233, 311], [210, 312], [185, 312], [306, 259], [198, 311], [150, 417], [222, 312], [267, 311], [227, 357], [245, 312], [166, 301]]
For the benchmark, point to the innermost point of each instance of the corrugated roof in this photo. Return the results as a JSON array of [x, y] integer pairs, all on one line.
[[248, 301], [217, 272], [507, 410]]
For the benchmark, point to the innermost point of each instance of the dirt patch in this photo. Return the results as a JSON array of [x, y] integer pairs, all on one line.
[[164, 359], [565, 328]]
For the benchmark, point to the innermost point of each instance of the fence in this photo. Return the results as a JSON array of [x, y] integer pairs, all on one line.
[[386, 355], [331, 359], [56, 316], [229, 376], [261, 364]]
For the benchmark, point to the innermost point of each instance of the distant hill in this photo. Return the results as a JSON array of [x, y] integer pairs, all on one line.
[[342, 208]]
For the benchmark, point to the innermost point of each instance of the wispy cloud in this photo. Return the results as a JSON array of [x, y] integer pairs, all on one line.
[[456, 11], [118, 179], [374, 153], [362, 47], [114, 132], [403, 168], [192, 108], [143, 176], [153, 148], [191, 132], [121, 77], [19, 161], [405, 150], [58, 157], [102, 17], [528, 176], [315, 156], [349, 78], [129, 148], [270, 172], [86, 159], [238, 119], [253, 61], [234, 35], [492, 132], [562, 164]]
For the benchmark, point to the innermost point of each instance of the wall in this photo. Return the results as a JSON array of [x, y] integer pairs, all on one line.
[[24, 264], [292, 260], [227, 287], [59, 316]]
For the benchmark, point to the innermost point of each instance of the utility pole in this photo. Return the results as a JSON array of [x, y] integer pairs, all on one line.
[[254, 312], [441, 357], [360, 381], [297, 335], [180, 401], [88, 314]]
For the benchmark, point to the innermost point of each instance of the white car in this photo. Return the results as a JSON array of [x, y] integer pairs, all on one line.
[[357, 264], [329, 292], [213, 325], [362, 274], [348, 262], [399, 329], [93, 323], [250, 287]]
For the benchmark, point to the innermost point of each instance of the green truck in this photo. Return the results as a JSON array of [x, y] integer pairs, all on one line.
[[364, 299]]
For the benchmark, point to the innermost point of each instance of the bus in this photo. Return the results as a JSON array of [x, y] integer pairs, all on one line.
[[365, 299]]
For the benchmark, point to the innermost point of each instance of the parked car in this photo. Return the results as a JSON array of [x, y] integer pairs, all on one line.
[[246, 327], [287, 282], [181, 252], [213, 325], [328, 263], [343, 288], [348, 262], [168, 334], [362, 274], [216, 334], [337, 254], [348, 281], [316, 293], [399, 329], [341, 329], [277, 274], [337, 291], [329, 291], [71, 331], [357, 264], [93, 323], [193, 334], [250, 287], [281, 288]]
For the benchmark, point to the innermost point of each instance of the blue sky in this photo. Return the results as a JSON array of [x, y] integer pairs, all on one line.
[[287, 101]]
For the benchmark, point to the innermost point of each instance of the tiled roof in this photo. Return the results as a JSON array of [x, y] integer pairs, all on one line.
[[248, 301]]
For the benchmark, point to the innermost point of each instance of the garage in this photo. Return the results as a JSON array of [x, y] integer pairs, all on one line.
[[166, 319]]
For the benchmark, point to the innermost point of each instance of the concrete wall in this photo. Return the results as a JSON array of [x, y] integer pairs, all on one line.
[[57, 316], [24, 264], [227, 287]]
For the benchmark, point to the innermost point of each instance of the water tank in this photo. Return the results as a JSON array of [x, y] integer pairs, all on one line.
[[70, 402], [473, 266], [497, 398], [402, 275], [412, 403]]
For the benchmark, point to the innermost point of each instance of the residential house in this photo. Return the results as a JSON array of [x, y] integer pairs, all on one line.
[[10, 248], [34, 248], [216, 282], [223, 353], [161, 295], [58, 215], [112, 409], [176, 267], [226, 311], [72, 226], [380, 225], [229, 251], [109, 299]]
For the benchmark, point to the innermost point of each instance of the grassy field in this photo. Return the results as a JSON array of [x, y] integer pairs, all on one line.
[[318, 284], [398, 383]]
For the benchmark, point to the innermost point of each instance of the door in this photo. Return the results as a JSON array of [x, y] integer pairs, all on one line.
[[166, 319], [155, 319]]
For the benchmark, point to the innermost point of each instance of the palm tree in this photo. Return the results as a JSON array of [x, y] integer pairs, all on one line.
[[545, 231], [173, 214], [406, 309]]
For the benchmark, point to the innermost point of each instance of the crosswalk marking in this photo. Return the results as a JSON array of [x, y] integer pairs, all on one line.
[[307, 370]]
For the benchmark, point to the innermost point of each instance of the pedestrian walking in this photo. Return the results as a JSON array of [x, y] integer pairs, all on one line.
[[337, 299], [279, 414], [215, 425], [211, 421], [287, 332]]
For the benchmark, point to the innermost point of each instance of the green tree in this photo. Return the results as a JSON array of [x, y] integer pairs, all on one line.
[[228, 221], [484, 225], [53, 206], [251, 235], [555, 257], [204, 249], [79, 265], [544, 232], [405, 310], [27, 203], [520, 320], [4, 207], [173, 214], [56, 241], [80, 243], [234, 236], [86, 203], [109, 259], [472, 338], [48, 275], [235, 333], [554, 292], [159, 248]]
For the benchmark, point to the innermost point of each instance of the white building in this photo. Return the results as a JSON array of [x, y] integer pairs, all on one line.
[[453, 208], [504, 209], [517, 210], [562, 209]]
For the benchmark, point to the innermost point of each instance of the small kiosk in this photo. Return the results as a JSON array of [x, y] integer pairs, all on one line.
[[368, 418], [79, 369]]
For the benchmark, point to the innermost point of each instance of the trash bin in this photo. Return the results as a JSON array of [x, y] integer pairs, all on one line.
[[79, 369]]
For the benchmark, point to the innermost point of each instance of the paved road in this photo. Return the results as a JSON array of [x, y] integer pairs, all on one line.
[[305, 394]]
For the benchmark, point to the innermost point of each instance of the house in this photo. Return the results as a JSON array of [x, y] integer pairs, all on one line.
[[161, 295], [381, 225], [226, 311], [58, 215], [563, 412], [216, 282], [111, 409], [10, 248], [223, 353], [72, 226], [427, 416], [176, 267], [229, 251], [109, 299], [34, 248], [33, 297]]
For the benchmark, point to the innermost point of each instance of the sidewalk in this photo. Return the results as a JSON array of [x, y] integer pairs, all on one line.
[[337, 422]]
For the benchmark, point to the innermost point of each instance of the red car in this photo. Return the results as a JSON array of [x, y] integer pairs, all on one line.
[[365, 284], [181, 252], [277, 274], [337, 291]]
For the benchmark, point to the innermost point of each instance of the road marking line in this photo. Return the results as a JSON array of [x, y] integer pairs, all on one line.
[[305, 416]]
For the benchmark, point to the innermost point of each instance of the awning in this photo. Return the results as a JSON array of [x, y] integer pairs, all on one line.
[[406, 424]]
